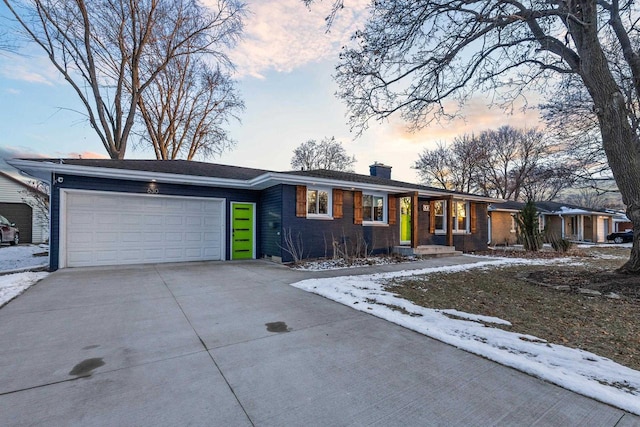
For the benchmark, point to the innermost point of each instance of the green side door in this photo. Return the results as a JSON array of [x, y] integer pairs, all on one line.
[[405, 220], [242, 220]]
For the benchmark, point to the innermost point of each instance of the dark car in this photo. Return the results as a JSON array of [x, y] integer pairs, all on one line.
[[9, 233], [624, 237]]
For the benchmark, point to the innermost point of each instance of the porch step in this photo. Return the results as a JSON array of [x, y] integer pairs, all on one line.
[[427, 250]]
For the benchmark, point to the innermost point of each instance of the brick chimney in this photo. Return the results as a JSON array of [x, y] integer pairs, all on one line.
[[380, 170]]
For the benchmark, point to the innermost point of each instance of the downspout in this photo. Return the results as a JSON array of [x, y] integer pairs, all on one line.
[[561, 226]]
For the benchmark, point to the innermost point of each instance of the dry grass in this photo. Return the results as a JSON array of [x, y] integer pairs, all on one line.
[[523, 295]]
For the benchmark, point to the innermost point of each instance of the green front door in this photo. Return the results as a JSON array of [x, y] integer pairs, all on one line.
[[405, 220], [242, 230]]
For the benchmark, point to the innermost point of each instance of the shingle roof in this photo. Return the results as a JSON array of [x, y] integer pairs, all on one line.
[[557, 206], [545, 207], [368, 179], [181, 167], [213, 170]]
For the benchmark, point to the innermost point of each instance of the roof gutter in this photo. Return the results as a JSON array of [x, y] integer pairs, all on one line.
[[44, 170]]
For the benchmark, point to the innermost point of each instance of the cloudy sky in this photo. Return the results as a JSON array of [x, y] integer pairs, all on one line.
[[284, 67]]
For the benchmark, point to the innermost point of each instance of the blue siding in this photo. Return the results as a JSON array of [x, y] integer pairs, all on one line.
[[141, 187], [463, 242], [270, 219], [275, 210], [318, 235]]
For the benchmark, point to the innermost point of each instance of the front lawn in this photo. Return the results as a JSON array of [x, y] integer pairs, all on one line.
[[553, 302]]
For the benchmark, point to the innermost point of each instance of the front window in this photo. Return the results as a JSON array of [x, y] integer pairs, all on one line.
[[318, 202], [459, 216], [373, 208], [438, 211]]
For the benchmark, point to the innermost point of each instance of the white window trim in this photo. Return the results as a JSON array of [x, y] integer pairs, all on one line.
[[513, 223], [442, 230], [385, 210], [329, 214], [467, 225]]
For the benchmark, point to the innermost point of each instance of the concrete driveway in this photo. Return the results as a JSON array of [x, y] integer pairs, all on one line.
[[231, 344]]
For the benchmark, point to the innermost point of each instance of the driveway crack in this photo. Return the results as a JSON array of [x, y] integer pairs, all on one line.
[[205, 347]]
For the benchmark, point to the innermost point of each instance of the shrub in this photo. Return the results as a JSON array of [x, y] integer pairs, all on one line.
[[529, 227]]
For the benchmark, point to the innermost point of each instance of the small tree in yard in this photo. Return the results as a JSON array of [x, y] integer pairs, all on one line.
[[529, 227], [37, 196]]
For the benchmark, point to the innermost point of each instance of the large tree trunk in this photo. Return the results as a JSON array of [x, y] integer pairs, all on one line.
[[620, 142]]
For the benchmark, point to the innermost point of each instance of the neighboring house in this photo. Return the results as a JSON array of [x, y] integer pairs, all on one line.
[[502, 223], [107, 212], [31, 222], [563, 220]]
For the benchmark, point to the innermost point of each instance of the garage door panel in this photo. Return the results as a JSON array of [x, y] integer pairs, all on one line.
[[80, 219], [81, 237], [173, 237], [153, 237], [153, 220], [109, 229], [106, 237], [174, 220], [130, 237], [106, 256], [107, 220]]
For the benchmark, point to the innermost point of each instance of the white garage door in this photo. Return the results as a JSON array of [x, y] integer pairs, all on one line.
[[112, 229]]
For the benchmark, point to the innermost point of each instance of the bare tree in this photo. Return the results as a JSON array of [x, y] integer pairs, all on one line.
[[507, 163], [412, 55], [185, 109], [327, 154], [110, 51], [546, 182], [587, 198], [36, 195], [455, 167]]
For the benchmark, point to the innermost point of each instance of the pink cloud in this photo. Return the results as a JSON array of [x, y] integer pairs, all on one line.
[[283, 35], [85, 155]]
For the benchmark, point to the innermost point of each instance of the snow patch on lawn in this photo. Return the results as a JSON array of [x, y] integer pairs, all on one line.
[[12, 285], [22, 256], [577, 370], [605, 245], [339, 263]]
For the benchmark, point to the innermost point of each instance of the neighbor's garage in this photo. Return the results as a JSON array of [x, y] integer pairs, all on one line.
[[22, 215], [101, 228]]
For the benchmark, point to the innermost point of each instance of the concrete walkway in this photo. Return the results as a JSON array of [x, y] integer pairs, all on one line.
[[231, 344]]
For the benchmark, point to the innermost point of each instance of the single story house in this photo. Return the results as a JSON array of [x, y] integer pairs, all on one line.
[[567, 221], [17, 208], [110, 212]]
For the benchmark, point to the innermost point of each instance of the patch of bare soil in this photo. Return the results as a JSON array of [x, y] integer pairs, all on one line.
[[605, 282]]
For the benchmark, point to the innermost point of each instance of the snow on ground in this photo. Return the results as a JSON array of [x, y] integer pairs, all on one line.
[[12, 285], [15, 259], [22, 256], [605, 245], [577, 370], [339, 263]]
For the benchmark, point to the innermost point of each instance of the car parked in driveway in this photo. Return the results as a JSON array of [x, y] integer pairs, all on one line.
[[9, 233], [622, 237]]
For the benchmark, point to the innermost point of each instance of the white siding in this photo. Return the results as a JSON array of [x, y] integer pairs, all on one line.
[[10, 193]]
